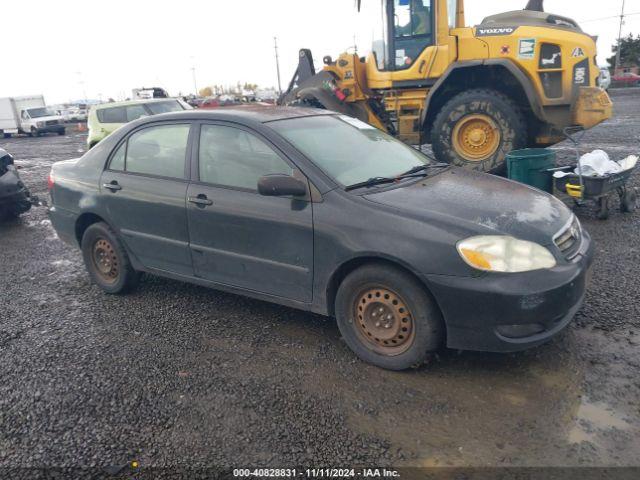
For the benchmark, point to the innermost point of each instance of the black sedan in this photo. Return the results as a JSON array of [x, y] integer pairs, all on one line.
[[325, 213], [15, 198]]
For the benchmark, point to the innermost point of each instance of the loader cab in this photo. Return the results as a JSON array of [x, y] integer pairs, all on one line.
[[408, 28]]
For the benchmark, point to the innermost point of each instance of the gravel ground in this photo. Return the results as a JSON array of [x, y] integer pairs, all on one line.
[[177, 375]]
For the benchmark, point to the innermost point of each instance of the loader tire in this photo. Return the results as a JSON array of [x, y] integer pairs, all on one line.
[[477, 129]]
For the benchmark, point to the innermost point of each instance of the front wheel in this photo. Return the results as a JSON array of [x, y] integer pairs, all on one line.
[[477, 129], [34, 132], [107, 261], [603, 208], [387, 317]]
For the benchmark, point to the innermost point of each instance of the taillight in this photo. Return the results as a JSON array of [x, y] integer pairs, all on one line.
[[50, 182]]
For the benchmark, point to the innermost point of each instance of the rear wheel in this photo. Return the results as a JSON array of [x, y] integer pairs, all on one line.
[[107, 261], [387, 318], [629, 200], [61, 132], [476, 130]]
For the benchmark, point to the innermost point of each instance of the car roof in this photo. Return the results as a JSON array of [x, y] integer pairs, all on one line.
[[132, 102], [244, 114]]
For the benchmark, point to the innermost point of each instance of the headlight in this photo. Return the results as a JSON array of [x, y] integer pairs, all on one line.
[[494, 253], [40, 124]]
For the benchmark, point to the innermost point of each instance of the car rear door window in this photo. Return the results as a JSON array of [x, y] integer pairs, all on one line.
[[112, 115], [233, 157], [134, 112], [117, 160], [159, 150]]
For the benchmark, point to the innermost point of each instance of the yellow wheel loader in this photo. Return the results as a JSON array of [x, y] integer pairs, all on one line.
[[475, 93]]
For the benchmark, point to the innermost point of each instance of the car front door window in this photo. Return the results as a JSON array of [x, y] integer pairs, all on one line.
[[232, 157]]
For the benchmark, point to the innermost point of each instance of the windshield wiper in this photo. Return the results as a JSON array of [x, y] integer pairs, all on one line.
[[422, 168], [371, 182], [416, 172]]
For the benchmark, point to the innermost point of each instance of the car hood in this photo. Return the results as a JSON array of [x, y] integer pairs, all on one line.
[[480, 203]]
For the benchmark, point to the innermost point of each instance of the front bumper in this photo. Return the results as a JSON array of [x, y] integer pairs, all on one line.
[[482, 312], [592, 107], [52, 128]]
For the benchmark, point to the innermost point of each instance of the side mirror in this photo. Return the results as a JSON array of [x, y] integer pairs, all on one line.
[[280, 185]]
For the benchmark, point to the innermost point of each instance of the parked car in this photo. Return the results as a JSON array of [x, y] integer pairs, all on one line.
[[28, 115], [15, 198], [604, 81], [211, 102], [627, 79], [106, 118], [325, 213], [71, 114]]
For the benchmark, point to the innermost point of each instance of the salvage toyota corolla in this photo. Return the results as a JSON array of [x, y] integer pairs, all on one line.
[[325, 213]]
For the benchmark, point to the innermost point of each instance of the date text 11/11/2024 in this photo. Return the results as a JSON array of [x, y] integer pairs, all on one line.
[[316, 473]]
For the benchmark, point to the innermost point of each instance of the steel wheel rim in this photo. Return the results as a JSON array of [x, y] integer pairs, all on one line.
[[383, 321], [105, 261], [476, 137]]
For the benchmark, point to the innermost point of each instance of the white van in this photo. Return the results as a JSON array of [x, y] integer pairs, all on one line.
[[28, 115]]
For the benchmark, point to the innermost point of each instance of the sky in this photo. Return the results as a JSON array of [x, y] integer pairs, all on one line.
[[74, 49]]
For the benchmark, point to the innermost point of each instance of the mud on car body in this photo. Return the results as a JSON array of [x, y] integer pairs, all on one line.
[[15, 198], [325, 213]]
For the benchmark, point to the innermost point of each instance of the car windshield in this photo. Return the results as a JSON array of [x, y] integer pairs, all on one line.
[[40, 112], [348, 150], [164, 107]]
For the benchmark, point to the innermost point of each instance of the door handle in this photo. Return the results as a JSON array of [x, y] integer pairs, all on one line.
[[113, 186], [201, 200]]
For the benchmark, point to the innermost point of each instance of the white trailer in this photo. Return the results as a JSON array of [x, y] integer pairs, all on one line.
[[28, 115]]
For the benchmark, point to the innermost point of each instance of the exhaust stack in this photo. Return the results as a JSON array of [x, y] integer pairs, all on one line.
[[535, 5]]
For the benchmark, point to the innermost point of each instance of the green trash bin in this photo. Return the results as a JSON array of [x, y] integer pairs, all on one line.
[[531, 165]]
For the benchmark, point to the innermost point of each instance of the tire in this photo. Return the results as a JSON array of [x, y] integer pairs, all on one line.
[[481, 113], [34, 133], [603, 208], [5, 215], [629, 200], [62, 132], [116, 275], [417, 325]]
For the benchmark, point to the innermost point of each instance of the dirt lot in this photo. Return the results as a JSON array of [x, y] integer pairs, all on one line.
[[176, 374]]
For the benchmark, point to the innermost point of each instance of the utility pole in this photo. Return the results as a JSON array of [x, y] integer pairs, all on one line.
[[619, 41], [275, 46], [195, 86], [83, 85]]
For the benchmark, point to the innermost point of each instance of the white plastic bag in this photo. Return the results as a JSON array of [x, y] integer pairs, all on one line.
[[628, 163], [598, 164]]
